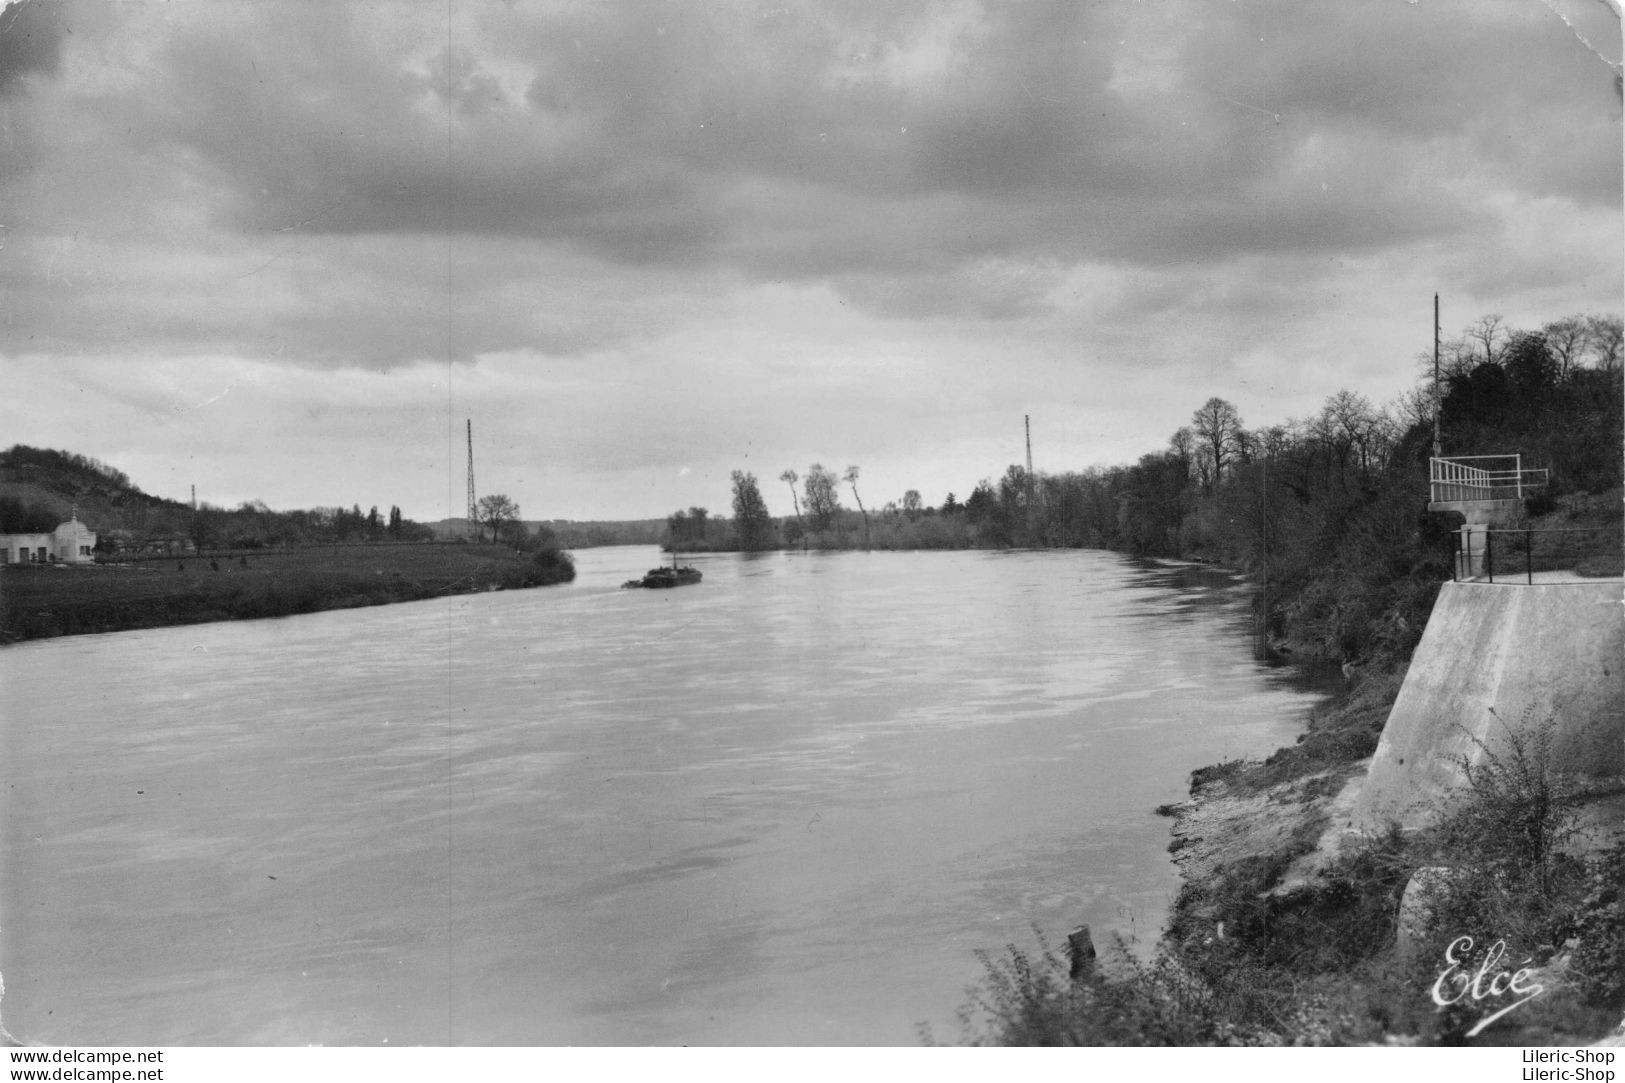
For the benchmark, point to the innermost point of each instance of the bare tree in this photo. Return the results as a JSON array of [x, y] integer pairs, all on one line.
[[1456, 360], [1182, 445], [496, 509], [1566, 341], [1355, 428], [1488, 336], [1218, 428], [851, 478], [1607, 334], [1273, 441], [1413, 406], [911, 503]]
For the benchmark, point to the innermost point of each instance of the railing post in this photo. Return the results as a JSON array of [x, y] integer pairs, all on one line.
[[1489, 553], [1529, 558]]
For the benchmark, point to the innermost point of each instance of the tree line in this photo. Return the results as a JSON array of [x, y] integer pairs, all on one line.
[[1327, 510]]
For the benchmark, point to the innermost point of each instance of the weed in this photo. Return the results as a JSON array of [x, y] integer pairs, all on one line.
[[1519, 814], [1023, 999]]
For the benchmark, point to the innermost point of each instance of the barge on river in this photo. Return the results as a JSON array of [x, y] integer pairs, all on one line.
[[666, 577]]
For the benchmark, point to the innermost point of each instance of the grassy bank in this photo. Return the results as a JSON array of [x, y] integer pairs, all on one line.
[[38, 601]]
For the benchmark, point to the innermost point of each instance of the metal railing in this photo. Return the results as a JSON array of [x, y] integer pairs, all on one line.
[[1506, 556], [1476, 477]]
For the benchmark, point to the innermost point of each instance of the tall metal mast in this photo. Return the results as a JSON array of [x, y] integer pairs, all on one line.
[[1027, 425], [1437, 447], [473, 512]]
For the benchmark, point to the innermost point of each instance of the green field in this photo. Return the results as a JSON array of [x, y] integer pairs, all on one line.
[[38, 601]]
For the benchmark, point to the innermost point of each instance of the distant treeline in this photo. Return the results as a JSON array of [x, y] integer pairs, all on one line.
[[1331, 505], [125, 518], [586, 535]]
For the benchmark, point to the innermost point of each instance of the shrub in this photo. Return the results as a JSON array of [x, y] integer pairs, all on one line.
[[555, 565], [1518, 814], [1023, 999]]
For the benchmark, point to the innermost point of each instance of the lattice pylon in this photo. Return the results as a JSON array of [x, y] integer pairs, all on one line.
[[473, 512]]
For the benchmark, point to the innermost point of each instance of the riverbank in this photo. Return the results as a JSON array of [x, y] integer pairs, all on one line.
[[1301, 939], [42, 601], [1280, 937]]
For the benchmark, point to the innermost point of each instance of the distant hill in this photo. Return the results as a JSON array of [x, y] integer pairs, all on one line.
[[42, 484], [41, 487]]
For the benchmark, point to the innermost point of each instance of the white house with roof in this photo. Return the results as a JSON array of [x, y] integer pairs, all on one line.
[[70, 543]]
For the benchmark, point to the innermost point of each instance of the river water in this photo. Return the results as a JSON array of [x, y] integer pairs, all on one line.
[[786, 805]]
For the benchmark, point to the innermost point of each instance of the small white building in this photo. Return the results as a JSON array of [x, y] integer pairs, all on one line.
[[70, 543]]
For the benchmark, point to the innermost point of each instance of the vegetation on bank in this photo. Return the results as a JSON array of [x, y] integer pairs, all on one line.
[[1348, 957], [1328, 515], [38, 601], [161, 562], [1325, 512]]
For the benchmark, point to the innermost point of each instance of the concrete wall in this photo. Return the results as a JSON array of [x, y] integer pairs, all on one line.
[[1496, 656]]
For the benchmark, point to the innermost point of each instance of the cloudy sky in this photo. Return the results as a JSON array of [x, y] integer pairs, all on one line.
[[282, 249]]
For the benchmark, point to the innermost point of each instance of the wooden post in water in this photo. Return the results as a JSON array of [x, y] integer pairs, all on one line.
[[1080, 953]]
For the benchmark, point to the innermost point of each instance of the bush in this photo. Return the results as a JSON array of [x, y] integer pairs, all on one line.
[[555, 565], [1518, 815], [1022, 1000]]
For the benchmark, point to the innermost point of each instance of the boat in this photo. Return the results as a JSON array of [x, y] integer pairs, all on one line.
[[663, 576], [667, 577]]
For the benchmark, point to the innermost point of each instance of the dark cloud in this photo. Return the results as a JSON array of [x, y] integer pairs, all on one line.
[[381, 189], [31, 37], [680, 134]]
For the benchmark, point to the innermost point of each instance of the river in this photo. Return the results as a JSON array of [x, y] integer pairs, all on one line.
[[783, 806]]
